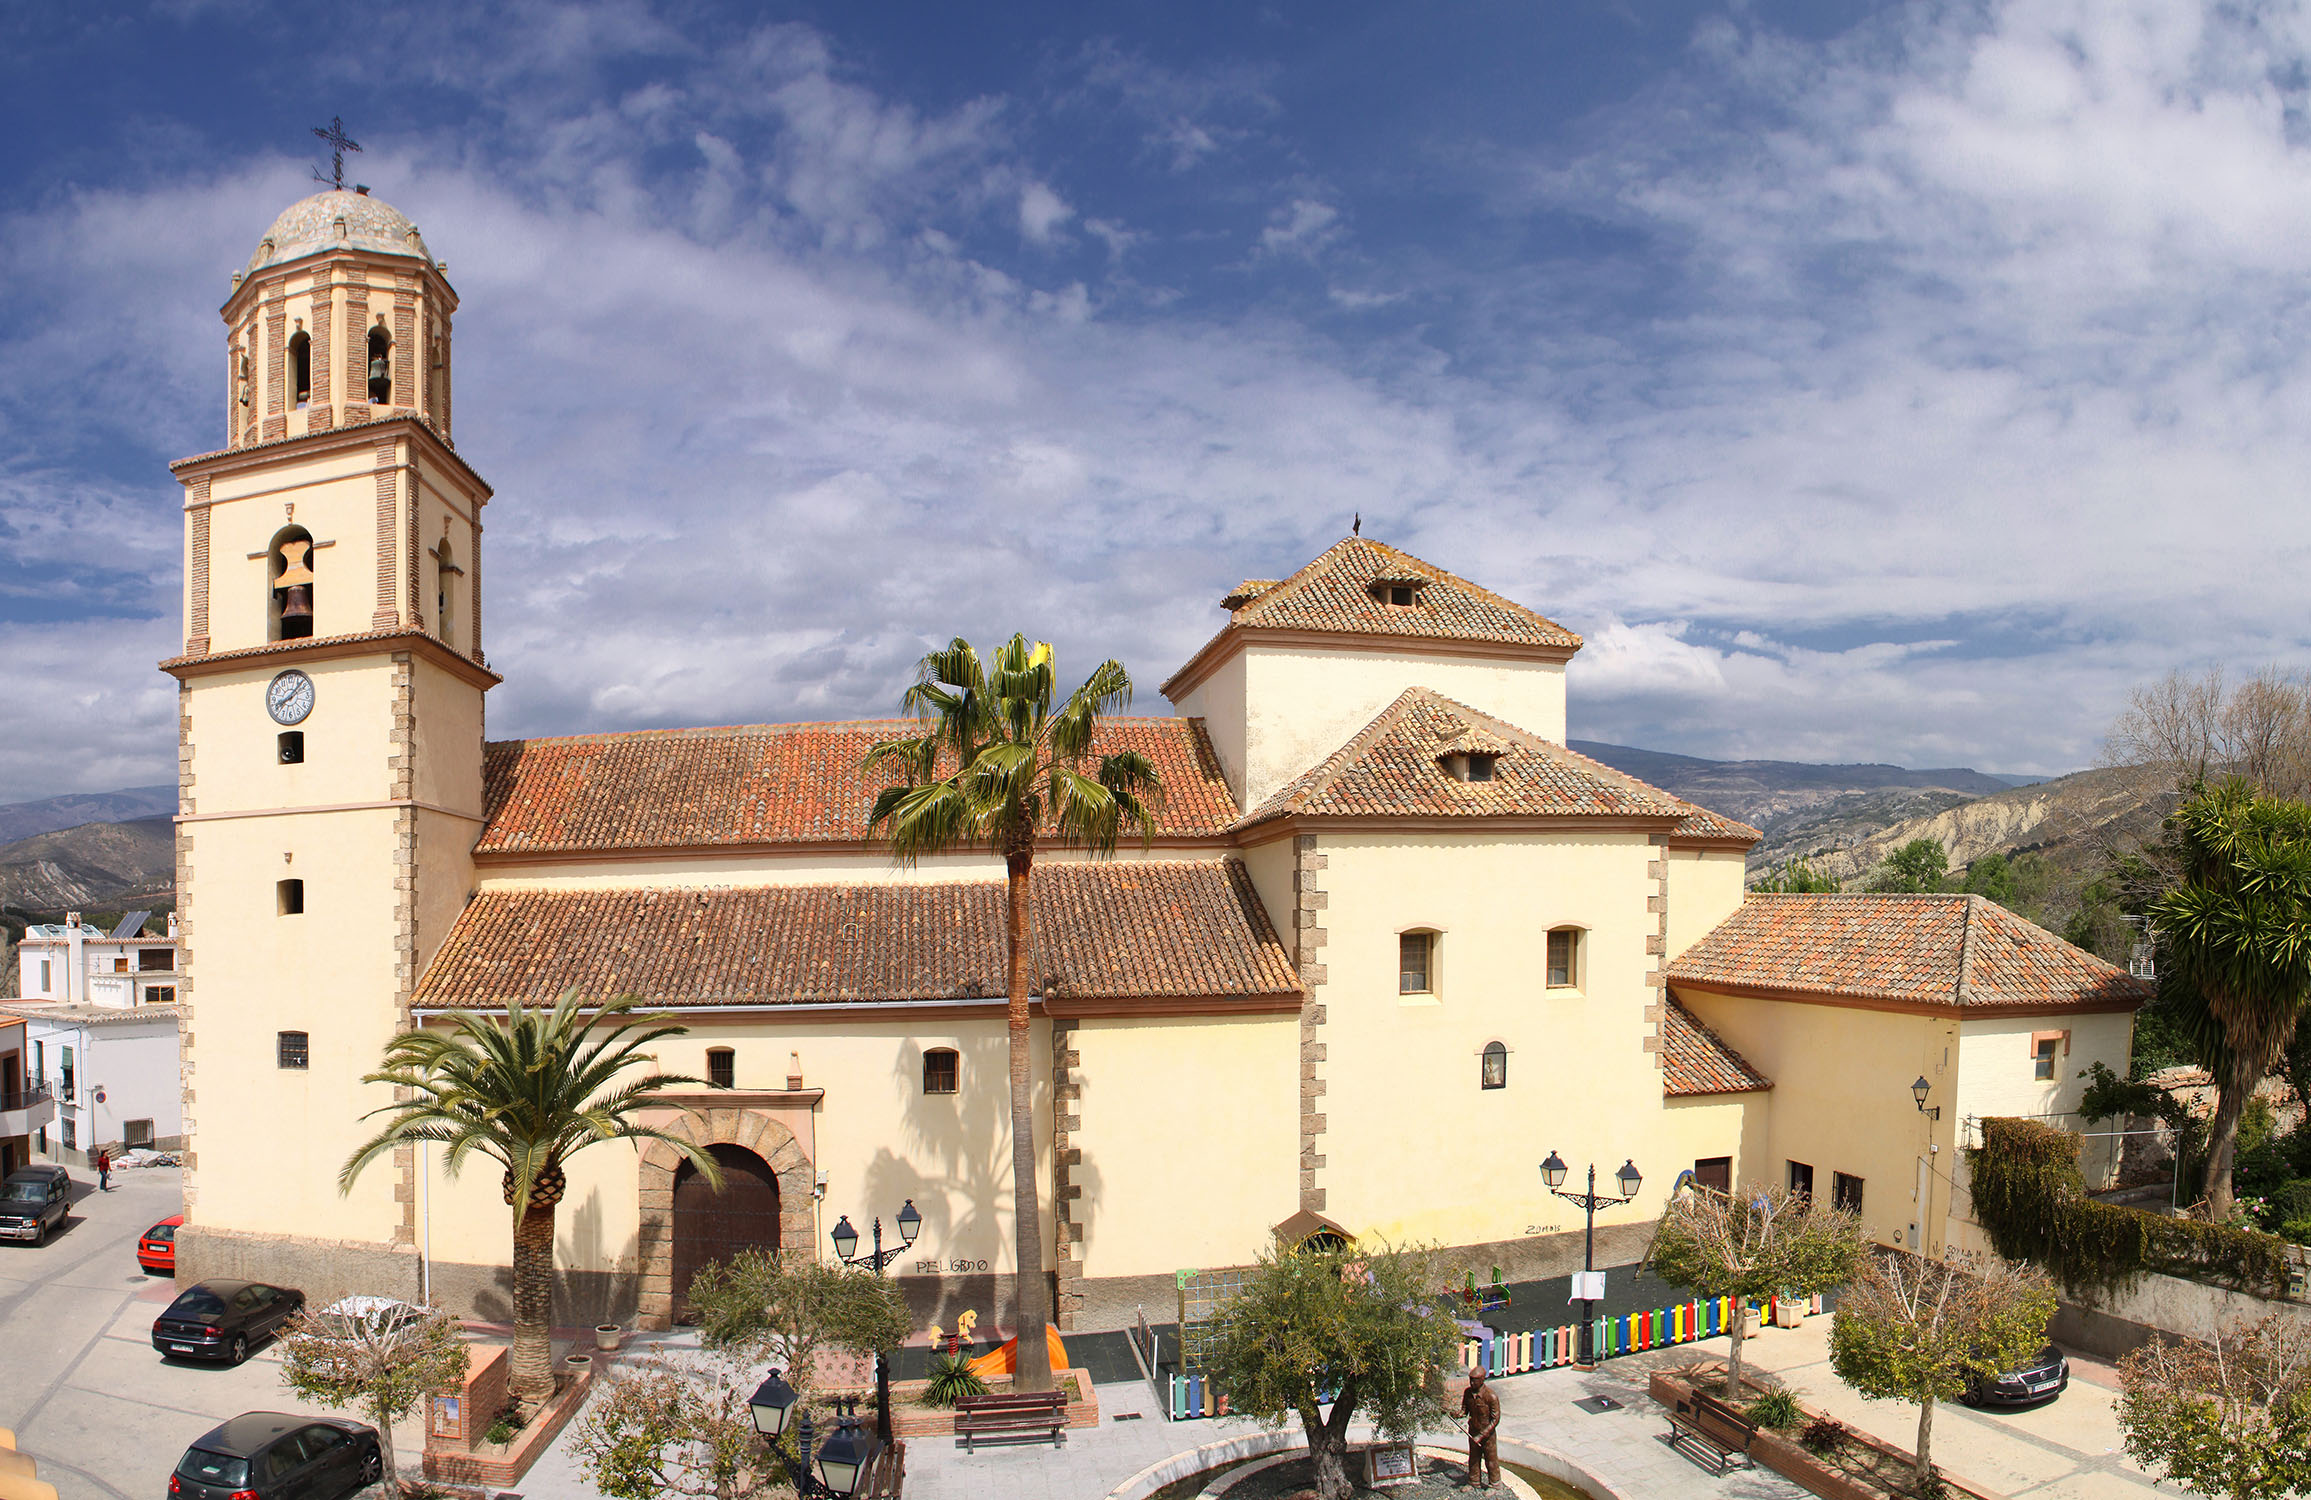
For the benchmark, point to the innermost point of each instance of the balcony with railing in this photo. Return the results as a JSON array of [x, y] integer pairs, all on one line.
[[26, 1109]]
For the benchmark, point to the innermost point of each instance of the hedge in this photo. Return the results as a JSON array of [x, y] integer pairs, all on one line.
[[2032, 1202]]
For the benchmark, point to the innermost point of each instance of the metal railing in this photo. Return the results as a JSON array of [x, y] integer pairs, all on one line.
[[25, 1098]]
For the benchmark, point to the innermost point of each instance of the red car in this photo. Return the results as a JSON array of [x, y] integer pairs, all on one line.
[[157, 1251]]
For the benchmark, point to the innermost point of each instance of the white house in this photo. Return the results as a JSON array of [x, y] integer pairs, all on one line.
[[100, 1030]]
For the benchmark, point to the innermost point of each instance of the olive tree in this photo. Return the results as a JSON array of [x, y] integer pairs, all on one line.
[[1754, 1244], [2230, 1417], [787, 1308], [371, 1364], [677, 1426], [1912, 1329], [1364, 1330]]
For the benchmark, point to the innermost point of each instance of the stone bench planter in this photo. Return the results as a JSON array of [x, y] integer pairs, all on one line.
[[1791, 1459]]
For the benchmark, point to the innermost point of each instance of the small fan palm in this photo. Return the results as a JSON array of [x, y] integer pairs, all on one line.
[[528, 1091], [997, 766]]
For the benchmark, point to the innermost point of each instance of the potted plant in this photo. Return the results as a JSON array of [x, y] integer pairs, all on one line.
[[606, 1337]]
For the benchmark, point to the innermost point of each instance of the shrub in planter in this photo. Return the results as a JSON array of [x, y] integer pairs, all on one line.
[[952, 1378], [1823, 1435], [1776, 1409]]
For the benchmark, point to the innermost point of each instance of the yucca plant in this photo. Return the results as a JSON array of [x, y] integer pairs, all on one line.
[[527, 1090], [952, 1378]]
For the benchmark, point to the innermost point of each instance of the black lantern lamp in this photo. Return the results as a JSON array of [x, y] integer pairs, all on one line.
[[771, 1404], [1919, 1091], [846, 1239], [1628, 1178], [910, 1222], [1553, 1171], [1627, 1181], [843, 1458]]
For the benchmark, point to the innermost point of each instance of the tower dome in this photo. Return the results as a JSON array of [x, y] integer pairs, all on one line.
[[338, 220]]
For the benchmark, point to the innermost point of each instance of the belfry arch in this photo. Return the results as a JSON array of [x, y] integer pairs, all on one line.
[[749, 1130]]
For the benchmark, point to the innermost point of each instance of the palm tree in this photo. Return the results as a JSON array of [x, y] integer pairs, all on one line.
[[2235, 933], [997, 766], [527, 1091]]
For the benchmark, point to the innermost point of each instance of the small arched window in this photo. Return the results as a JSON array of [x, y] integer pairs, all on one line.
[[289, 585], [380, 366], [941, 1066], [1416, 963], [1565, 958], [722, 1067], [301, 366], [1494, 1070]]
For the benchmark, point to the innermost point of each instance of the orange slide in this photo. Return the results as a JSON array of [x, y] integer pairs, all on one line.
[[1005, 1359]]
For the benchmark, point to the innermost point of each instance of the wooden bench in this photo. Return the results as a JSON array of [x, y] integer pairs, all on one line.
[[1020, 1416], [1719, 1433], [886, 1478]]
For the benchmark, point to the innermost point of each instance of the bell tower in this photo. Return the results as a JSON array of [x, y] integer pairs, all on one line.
[[330, 693]]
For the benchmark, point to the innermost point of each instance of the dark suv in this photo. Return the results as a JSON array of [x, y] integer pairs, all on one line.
[[33, 1201], [270, 1455]]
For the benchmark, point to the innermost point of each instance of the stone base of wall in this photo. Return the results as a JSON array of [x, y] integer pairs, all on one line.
[[325, 1270]]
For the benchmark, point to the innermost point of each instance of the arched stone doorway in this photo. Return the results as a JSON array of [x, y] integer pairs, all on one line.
[[713, 1224], [754, 1134]]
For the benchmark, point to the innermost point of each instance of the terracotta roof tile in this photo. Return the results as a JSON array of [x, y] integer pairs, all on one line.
[[1964, 952], [763, 784], [1701, 823], [1335, 592], [1696, 1060], [1110, 930], [1394, 765]]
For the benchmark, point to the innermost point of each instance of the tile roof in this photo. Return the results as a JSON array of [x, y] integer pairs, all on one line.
[[1961, 952], [1696, 1060], [764, 784], [1394, 766], [1108, 930], [1335, 592], [1701, 823]]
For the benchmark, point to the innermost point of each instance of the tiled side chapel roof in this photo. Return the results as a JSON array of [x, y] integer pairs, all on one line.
[[1696, 1060], [764, 784], [1335, 592], [1963, 952], [1149, 930], [1395, 765]]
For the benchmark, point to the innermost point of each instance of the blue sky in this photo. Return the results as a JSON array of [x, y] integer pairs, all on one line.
[[1892, 383]]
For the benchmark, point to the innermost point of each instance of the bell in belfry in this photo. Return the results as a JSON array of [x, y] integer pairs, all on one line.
[[296, 611], [380, 380]]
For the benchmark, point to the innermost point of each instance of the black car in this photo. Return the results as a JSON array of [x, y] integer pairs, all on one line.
[[274, 1456], [222, 1319], [33, 1201], [2042, 1377]]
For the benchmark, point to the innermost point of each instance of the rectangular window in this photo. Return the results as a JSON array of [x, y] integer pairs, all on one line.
[[136, 1134], [1846, 1191], [1801, 1178], [65, 1093], [722, 1067], [161, 994], [156, 960], [120, 964], [1714, 1172], [2042, 1061], [290, 1049], [1413, 952], [1564, 953], [939, 1070], [71, 1133], [290, 896], [2046, 1048], [47, 979]]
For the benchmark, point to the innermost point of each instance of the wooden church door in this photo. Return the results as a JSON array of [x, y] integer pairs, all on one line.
[[711, 1226]]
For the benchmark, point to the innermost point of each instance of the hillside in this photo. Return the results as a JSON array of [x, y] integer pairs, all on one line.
[[96, 866], [2065, 819], [23, 820]]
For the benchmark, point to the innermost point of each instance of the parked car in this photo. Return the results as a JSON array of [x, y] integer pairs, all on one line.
[[33, 1201], [380, 1315], [157, 1251], [2041, 1378], [223, 1319], [268, 1455]]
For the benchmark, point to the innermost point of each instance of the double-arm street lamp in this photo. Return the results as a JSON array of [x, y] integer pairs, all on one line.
[[844, 1460], [846, 1250], [1628, 1181]]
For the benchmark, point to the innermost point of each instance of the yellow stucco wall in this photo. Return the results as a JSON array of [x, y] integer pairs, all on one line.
[[1704, 889], [1842, 1101], [1996, 1076], [1190, 1140], [1414, 1147], [335, 496], [1219, 701]]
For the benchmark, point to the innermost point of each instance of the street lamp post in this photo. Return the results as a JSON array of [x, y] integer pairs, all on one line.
[[1628, 1181], [846, 1244], [843, 1460]]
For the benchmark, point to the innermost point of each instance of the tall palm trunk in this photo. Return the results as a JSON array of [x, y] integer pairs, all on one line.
[[533, 1362], [2255, 1037], [1033, 1371]]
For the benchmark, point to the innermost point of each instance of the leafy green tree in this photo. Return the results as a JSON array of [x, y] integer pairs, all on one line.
[[1364, 1328], [1912, 1329], [527, 1090], [2231, 1417], [784, 1309], [1796, 877], [1752, 1244], [1993, 876], [1919, 866], [2235, 932], [385, 1373], [678, 1426], [998, 766]]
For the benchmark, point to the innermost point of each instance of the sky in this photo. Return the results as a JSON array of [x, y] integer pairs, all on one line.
[[1890, 383]]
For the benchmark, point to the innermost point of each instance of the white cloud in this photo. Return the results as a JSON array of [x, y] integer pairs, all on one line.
[[1041, 212], [1301, 228]]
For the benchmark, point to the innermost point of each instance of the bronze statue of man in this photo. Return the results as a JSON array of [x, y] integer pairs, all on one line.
[[1483, 1410]]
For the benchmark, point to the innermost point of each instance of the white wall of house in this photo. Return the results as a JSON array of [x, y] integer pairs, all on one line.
[[134, 1064]]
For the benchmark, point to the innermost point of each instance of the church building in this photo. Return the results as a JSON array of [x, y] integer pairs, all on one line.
[[1392, 945]]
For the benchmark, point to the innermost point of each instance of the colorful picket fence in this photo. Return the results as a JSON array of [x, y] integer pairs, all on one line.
[[1194, 1395], [1499, 1353]]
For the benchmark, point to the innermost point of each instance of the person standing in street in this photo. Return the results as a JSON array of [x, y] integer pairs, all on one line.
[[1483, 1410], [103, 1170]]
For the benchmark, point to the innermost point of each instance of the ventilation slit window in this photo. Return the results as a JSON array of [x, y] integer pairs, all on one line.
[[289, 896], [292, 747], [301, 366]]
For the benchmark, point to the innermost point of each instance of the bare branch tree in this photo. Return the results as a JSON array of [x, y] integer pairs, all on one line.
[[2231, 1417], [1754, 1244]]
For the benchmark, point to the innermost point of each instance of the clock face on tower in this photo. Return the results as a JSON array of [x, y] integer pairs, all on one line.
[[289, 697]]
